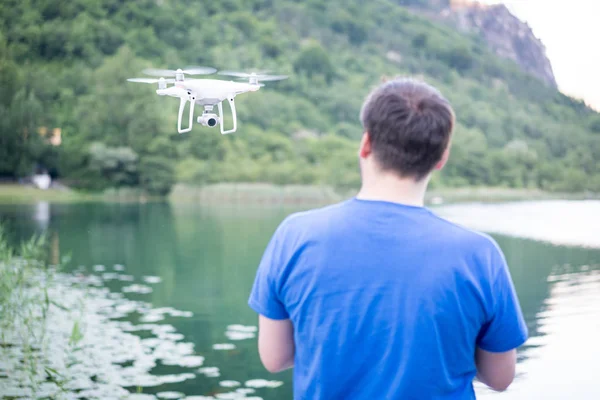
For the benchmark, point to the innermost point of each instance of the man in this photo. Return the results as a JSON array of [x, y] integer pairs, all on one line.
[[378, 298]]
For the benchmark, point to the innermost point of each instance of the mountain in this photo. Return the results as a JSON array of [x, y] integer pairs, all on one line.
[[505, 34], [65, 104]]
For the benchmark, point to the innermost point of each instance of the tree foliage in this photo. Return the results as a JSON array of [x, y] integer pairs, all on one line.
[[64, 65], [314, 60]]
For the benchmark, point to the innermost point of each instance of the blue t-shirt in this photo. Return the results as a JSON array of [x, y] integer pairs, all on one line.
[[388, 301]]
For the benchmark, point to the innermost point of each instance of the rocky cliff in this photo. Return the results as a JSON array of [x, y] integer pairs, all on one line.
[[506, 35]]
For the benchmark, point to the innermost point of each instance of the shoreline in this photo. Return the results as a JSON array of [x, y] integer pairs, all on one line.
[[267, 194]]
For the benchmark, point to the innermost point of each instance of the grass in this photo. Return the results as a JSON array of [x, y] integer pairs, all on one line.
[[268, 194], [19, 194], [25, 279], [261, 193], [26, 194], [246, 193]]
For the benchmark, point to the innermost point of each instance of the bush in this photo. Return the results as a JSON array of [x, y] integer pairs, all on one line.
[[116, 166], [314, 60], [157, 175], [355, 31], [459, 58], [420, 41], [595, 124]]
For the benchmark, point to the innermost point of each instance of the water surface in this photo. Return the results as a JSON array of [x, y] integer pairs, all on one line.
[[206, 258]]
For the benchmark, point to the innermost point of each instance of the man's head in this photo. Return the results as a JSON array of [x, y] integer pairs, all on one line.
[[407, 126]]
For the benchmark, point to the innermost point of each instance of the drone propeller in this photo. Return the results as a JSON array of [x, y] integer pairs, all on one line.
[[258, 76], [150, 80], [173, 72]]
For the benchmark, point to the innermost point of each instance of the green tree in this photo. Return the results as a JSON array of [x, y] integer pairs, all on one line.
[[595, 124], [21, 146], [157, 175], [420, 40], [355, 31], [115, 166], [314, 60]]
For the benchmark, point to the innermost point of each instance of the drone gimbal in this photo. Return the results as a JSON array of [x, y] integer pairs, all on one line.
[[207, 118]]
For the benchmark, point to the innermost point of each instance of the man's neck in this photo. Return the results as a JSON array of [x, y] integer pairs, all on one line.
[[393, 189]]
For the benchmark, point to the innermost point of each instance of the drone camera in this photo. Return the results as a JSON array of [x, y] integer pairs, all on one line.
[[207, 119]]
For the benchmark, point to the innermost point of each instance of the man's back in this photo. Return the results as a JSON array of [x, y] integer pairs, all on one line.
[[387, 301]]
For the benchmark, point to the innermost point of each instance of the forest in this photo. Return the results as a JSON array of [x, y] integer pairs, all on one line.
[[66, 107]]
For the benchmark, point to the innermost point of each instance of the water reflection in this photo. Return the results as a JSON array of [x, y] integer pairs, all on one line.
[[42, 215], [203, 260], [562, 357], [561, 222]]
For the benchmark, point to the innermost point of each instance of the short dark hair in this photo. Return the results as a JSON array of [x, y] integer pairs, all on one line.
[[409, 124]]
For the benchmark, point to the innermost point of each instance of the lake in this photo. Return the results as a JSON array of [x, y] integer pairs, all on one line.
[[206, 258]]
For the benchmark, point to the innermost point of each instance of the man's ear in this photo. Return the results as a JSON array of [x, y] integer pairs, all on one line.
[[443, 160], [365, 146]]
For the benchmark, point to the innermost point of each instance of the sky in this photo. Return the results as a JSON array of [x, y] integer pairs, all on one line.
[[570, 32]]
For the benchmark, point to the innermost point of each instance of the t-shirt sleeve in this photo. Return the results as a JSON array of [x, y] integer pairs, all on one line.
[[264, 296], [506, 328]]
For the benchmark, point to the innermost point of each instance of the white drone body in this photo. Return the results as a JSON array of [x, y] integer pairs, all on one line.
[[205, 92]]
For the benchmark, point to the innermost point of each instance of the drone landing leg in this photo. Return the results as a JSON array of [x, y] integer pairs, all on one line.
[[233, 115], [181, 108]]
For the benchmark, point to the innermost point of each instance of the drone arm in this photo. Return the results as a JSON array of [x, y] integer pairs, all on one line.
[[182, 101], [233, 115]]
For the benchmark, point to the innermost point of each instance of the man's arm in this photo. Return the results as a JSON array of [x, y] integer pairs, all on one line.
[[276, 343], [496, 370], [275, 330], [504, 332]]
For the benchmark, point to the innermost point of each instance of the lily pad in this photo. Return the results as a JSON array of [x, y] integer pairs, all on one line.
[[170, 395], [152, 279], [170, 336], [107, 276], [242, 328], [229, 395], [229, 383], [210, 372], [151, 318], [141, 396], [186, 314], [245, 390], [176, 378], [186, 361], [198, 398], [224, 346], [262, 383], [136, 288], [234, 335]]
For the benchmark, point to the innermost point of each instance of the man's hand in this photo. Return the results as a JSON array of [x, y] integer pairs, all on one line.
[[496, 370], [276, 343]]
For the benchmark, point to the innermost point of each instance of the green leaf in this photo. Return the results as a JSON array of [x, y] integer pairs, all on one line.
[[76, 334]]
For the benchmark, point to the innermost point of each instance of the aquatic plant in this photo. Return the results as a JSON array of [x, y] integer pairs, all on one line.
[[25, 281]]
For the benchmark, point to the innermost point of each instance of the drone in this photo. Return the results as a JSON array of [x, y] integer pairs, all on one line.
[[207, 93]]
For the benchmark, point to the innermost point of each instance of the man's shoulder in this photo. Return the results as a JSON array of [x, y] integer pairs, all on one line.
[[470, 238], [309, 217]]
